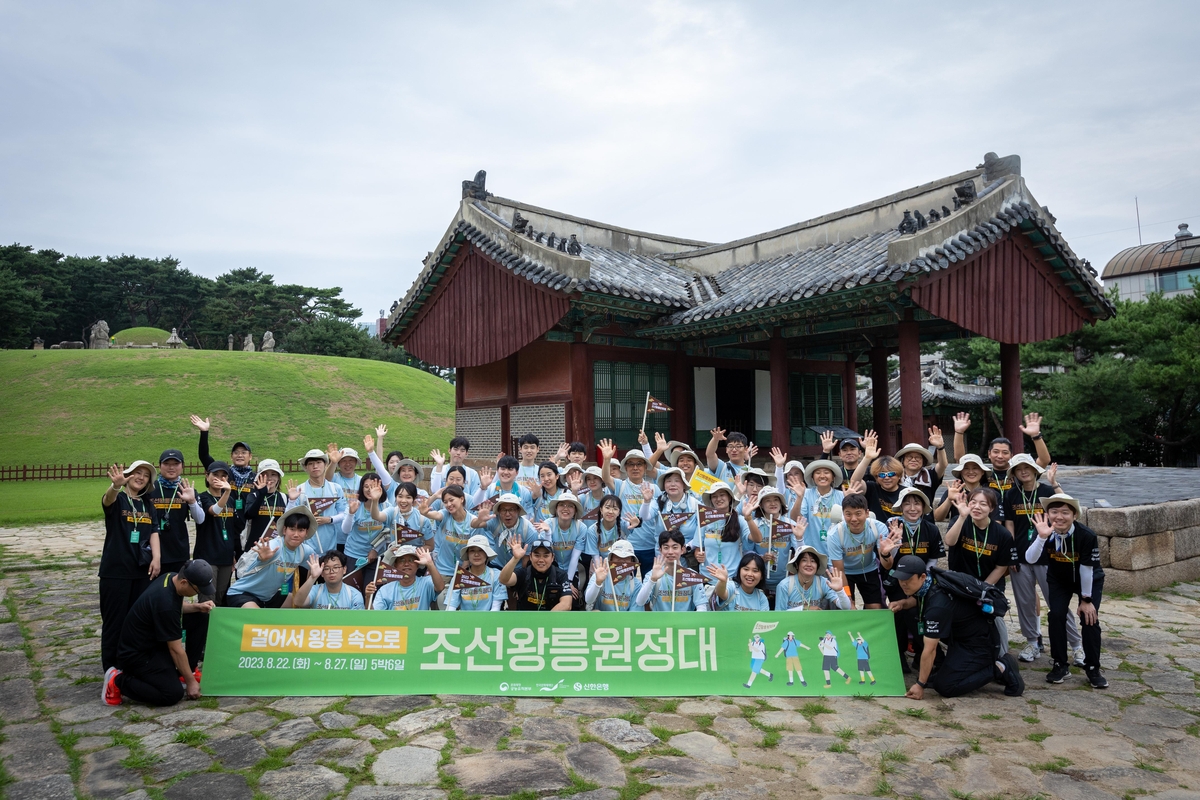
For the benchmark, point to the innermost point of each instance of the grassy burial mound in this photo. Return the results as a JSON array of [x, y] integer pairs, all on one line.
[[86, 406], [142, 336]]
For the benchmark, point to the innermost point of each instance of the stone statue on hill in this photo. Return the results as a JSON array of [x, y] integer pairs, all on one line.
[[248, 343], [231, 342], [268, 343], [173, 340], [99, 336]]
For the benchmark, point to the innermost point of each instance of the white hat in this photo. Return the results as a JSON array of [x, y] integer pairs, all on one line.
[[791, 465], [306, 511], [717, 486], [771, 491], [622, 548], [565, 497], [914, 448], [794, 561], [480, 541], [912, 491], [663, 474], [634, 452], [823, 463], [396, 552], [1060, 498], [269, 465], [612, 462], [316, 453], [509, 499], [140, 463], [350, 452], [595, 472], [766, 480], [970, 458], [408, 462], [673, 456], [570, 466], [1027, 460]]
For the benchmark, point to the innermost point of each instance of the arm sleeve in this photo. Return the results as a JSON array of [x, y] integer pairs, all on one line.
[[780, 478], [436, 479], [479, 497], [840, 600], [643, 595], [385, 480], [496, 603], [197, 513], [646, 449], [648, 511], [573, 566], [205, 458], [1035, 549], [591, 592], [1085, 580], [347, 523]]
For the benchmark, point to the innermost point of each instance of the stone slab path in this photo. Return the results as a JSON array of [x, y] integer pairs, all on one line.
[[1137, 739]]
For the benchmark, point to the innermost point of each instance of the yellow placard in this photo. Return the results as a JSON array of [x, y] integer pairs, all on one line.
[[701, 480], [324, 639]]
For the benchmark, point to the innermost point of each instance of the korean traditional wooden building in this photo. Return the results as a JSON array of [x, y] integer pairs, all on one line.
[[559, 325]]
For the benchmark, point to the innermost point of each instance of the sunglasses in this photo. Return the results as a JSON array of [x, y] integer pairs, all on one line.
[[886, 475]]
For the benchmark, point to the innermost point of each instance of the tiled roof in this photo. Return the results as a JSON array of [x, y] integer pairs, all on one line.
[[933, 394], [636, 276]]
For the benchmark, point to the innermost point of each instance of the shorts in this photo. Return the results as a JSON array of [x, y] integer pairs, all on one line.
[[864, 665], [239, 600], [756, 664], [793, 664], [829, 663], [867, 586]]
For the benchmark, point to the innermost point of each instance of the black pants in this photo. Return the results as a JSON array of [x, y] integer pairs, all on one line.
[[965, 668], [1060, 606], [905, 622], [117, 596], [152, 679], [195, 637]]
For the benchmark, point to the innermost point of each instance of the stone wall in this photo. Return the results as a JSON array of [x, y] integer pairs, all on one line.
[[1143, 548]]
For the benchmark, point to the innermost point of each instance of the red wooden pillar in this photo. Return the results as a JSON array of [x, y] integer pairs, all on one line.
[[781, 425], [681, 398], [582, 402], [850, 393], [911, 417], [1010, 394], [506, 431], [879, 398]]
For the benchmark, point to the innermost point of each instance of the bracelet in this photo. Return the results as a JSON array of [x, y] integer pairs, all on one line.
[[922, 684], [1085, 599], [938, 449], [1037, 438]]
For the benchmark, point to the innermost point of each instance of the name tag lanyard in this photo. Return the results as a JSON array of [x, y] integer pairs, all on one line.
[[978, 558]]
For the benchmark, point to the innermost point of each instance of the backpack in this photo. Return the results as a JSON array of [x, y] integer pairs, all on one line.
[[990, 600]]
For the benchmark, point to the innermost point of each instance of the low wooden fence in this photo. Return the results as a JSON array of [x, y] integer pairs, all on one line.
[[68, 472]]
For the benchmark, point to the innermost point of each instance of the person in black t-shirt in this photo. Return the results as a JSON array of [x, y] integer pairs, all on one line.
[[131, 557], [975, 544], [882, 476], [970, 638], [267, 503], [150, 655], [241, 475], [217, 535], [919, 537], [172, 497], [540, 585], [1073, 568]]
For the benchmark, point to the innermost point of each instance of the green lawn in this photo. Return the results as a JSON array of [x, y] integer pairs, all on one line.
[[88, 406]]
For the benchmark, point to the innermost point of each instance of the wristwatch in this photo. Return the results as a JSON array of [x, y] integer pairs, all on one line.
[[1085, 599], [1037, 438], [922, 684]]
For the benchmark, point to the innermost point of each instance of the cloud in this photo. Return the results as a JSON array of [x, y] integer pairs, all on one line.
[[326, 143]]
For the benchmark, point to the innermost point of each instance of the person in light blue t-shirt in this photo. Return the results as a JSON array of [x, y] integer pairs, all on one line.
[[859, 546], [323, 498], [615, 584], [723, 539], [476, 585], [737, 447], [503, 521], [743, 593], [264, 569], [333, 593], [408, 592], [342, 469]]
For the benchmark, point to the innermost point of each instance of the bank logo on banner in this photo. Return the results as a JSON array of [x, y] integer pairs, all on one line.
[[337, 652]]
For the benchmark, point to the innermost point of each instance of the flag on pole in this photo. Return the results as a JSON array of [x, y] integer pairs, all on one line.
[[655, 406]]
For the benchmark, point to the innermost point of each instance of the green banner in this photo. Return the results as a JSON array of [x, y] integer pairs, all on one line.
[[272, 652]]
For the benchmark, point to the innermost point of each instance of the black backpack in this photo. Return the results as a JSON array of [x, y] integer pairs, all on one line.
[[990, 599]]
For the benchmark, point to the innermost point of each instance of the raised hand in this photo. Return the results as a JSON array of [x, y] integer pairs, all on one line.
[[561, 453], [575, 481], [870, 445], [331, 450], [187, 492], [1052, 474], [890, 543], [647, 491], [263, 550], [642, 438], [353, 504], [895, 526], [486, 475], [778, 457], [935, 437], [369, 443], [718, 433], [660, 441], [962, 422], [528, 483], [1042, 526], [438, 458], [632, 521], [607, 450], [660, 566], [1033, 424], [828, 442], [423, 504], [424, 557], [718, 572], [751, 451], [260, 480], [542, 527], [795, 483], [116, 474], [960, 502], [799, 526], [739, 485], [857, 487], [600, 570], [518, 548], [293, 491], [220, 484], [202, 424], [953, 491], [836, 578], [381, 430], [314, 565]]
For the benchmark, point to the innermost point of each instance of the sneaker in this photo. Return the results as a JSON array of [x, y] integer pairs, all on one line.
[[196, 674], [1030, 653], [746, 685], [861, 682], [771, 677], [1096, 679], [1078, 658], [848, 679], [1059, 674], [790, 683], [1014, 684], [109, 692], [805, 683]]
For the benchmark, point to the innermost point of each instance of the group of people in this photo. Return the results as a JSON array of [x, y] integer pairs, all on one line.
[[663, 528]]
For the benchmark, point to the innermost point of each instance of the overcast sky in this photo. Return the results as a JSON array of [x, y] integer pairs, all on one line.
[[326, 143]]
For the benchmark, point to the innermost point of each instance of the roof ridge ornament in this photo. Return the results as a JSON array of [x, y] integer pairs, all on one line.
[[476, 189]]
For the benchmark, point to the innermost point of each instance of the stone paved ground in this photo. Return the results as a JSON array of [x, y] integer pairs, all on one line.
[[61, 741]]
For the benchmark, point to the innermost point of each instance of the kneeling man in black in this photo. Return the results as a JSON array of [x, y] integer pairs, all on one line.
[[150, 655]]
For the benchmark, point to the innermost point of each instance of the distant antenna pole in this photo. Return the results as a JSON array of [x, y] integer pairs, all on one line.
[[1139, 218]]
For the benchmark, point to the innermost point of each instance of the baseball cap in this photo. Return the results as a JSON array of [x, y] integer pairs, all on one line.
[[543, 543], [246, 445], [908, 566], [167, 455], [622, 548], [198, 573], [217, 466]]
